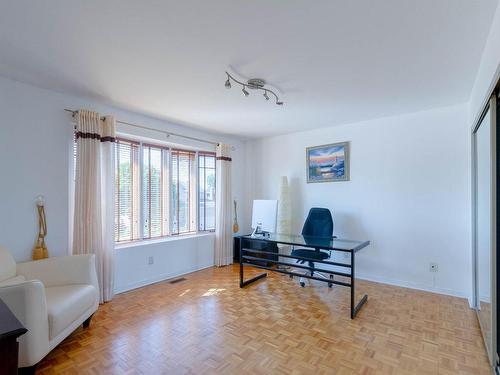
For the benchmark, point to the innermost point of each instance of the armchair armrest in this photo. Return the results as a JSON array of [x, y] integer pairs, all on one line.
[[27, 302], [58, 271]]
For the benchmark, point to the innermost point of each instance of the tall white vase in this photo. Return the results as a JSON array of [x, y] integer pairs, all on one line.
[[284, 224]]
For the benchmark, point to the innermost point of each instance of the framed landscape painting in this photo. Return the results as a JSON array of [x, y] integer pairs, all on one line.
[[328, 163]]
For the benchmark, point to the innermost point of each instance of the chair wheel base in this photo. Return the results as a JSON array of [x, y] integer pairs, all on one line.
[[330, 285], [302, 284]]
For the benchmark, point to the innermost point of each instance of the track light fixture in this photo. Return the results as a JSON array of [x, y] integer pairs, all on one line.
[[253, 84]]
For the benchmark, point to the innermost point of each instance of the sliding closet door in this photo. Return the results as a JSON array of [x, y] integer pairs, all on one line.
[[484, 234]]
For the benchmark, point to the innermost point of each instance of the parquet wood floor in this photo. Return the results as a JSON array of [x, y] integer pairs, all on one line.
[[208, 325]]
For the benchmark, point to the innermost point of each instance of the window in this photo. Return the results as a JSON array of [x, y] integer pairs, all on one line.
[[183, 191], [155, 191], [127, 191], [206, 191], [161, 191]]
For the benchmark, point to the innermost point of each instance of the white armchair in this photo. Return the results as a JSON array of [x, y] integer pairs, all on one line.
[[51, 297]]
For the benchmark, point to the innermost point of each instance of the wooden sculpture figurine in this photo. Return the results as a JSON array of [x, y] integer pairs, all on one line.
[[40, 250], [236, 227]]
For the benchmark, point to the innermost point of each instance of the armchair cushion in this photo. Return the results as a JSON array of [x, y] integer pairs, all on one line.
[[65, 304], [59, 271], [12, 281]]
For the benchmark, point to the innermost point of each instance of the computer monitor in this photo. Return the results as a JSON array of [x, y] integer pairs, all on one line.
[[264, 215]]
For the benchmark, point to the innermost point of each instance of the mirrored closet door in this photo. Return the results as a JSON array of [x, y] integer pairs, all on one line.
[[484, 141]]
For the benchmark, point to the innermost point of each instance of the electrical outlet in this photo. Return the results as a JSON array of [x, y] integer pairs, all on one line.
[[151, 260], [433, 267]]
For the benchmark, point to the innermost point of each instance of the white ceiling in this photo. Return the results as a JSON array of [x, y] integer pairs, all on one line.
[[335, 61]]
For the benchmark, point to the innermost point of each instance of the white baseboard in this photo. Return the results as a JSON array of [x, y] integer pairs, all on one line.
[[383, 280], [417, 286], [158, 278]]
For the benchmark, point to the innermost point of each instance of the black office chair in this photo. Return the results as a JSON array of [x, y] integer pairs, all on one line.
[[319, 223]]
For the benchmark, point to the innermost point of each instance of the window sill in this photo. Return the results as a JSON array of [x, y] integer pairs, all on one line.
[[162, 239]]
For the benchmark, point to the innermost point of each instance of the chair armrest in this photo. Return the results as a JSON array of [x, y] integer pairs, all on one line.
[[59, 271], [27, 302]]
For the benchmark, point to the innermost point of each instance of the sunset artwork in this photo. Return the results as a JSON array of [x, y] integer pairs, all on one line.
[[328, 162]]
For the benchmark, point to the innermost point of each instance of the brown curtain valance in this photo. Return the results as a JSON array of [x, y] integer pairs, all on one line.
[[94, 136]]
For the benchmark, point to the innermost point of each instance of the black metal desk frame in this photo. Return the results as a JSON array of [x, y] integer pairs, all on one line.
[[248, 257]]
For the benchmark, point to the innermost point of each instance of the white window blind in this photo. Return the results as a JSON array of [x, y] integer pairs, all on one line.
[[183, 187], [155, 191], [206, 191], [127, 191]]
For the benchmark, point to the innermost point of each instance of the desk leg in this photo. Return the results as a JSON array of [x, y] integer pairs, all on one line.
[[241, 263], [245, 283], [355, 307], [253, 279]]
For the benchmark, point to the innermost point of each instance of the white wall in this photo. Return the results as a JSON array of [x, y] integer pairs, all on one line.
[[35, 158], [408, 194], [171, 258]]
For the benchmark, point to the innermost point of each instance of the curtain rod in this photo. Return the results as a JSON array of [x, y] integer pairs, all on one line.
[[168, 134]]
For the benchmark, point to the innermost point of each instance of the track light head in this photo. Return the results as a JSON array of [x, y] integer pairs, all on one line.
[[245, 91], [279, 103], [265, 95], [228, 84]]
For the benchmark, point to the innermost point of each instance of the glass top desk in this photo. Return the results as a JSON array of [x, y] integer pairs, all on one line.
[[338, 272]]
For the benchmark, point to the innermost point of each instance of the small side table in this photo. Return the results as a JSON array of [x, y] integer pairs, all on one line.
[[10, 330]]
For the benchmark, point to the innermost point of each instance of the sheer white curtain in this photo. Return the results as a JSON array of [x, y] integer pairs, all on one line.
[[223, 220], [93, 227]]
